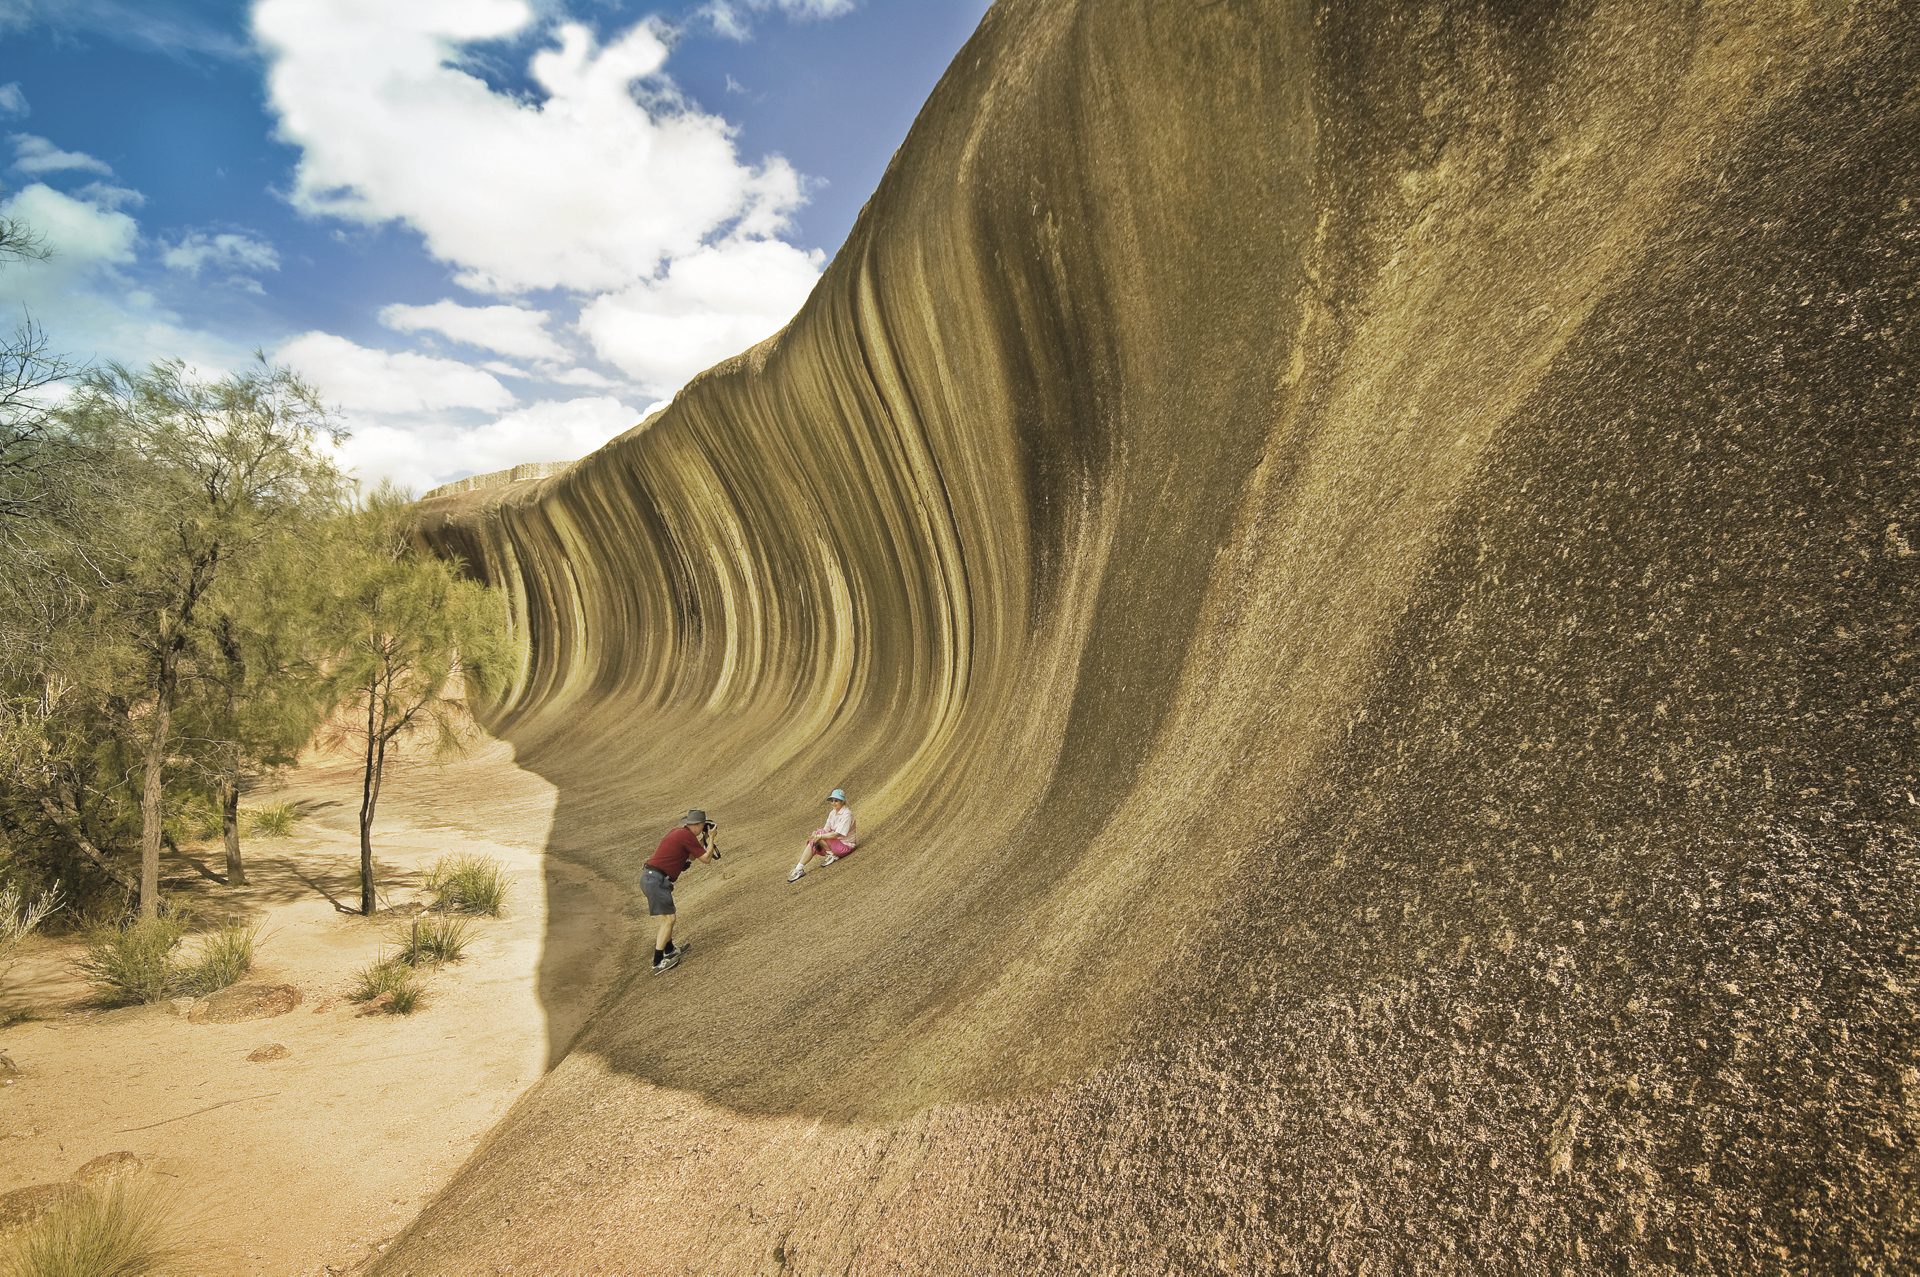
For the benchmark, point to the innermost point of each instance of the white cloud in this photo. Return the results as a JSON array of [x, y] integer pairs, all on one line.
[[226, 251], [106, 195], [86, 293], [710, 305], [581, 377], [81, 234], [359, 379], [32, 154], [507, 330], [729, 17], [12, 100], [587, 190], [423, 456]]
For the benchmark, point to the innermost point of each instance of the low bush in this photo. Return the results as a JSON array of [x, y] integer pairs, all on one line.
[[134, 962], [468, 884], [123, 1228], [225, 955], [390, 982], [432, 938], [274, 821]]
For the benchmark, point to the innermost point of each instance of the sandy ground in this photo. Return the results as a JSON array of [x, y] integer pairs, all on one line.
[[311, 1162]]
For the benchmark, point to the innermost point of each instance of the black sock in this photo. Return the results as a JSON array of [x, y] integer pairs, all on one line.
[[657, 954], [669, 949]]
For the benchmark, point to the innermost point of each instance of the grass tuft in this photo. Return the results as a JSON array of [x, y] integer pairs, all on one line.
[[134, 963], [120, 1229], [389, 982], [225, 955], [469, 884], [432, 938], [273, 821]]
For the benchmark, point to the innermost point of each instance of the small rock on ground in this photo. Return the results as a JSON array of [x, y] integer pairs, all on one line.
[[106, 1166], [246, 1002]]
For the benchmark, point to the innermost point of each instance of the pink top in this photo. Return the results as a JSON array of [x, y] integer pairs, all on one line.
[[839, 825]]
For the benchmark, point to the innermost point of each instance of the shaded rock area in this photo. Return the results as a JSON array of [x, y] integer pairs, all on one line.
[[240, 1002], [271, 1051], [106, 1166], [1362, 559], [22, 1206]]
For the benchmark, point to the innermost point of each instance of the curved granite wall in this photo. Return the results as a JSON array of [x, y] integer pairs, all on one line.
[[1358, 562]]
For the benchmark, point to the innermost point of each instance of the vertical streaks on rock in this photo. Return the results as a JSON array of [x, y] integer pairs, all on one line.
[[1358, 563]]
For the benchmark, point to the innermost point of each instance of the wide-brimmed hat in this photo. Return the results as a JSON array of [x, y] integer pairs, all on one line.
[[840, 794], [694, 817]]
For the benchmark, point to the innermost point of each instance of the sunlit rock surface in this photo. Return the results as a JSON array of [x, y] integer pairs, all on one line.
[[1358, 563]]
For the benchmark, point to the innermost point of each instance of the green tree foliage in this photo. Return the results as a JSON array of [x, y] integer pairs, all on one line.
[[146, 611], [415, 641]]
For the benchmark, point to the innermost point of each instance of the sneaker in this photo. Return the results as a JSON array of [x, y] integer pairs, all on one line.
[[667, 962], [797, 874], [829, 860]]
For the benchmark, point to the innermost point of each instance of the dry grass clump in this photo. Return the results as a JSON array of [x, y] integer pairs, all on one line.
[[123, 1228], [432, 938], [276, 820], [468, 884], [389, 983], [133, 962], [137, 961], [226, 954]]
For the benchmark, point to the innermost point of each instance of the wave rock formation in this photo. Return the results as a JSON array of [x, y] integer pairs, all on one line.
[[1358, 562]]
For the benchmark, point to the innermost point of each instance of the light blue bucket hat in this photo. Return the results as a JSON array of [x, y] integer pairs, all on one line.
[[841, 794]]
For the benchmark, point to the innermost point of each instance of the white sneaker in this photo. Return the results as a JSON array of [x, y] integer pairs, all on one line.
[[829, 860], [797, 874]]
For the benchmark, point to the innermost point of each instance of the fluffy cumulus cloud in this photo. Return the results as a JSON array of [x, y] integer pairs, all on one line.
[[609, 189], [88, 294], [586, 190], [82, 235], [424, 455], [709, 305], [13, 102], [507, 330], [35, 155], [359, 379]]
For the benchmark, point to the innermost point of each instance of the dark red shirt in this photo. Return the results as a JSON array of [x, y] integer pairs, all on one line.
[[675, 850]]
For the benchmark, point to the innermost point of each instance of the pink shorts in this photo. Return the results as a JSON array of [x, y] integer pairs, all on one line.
[[835, 846]]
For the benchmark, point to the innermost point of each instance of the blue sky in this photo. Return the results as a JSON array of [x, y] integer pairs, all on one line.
[[491, 231]]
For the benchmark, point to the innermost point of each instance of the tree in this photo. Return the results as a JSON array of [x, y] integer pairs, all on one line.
[[416, 640], [187, 485]]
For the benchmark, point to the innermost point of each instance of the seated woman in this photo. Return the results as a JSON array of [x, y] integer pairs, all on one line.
[[832, 840]]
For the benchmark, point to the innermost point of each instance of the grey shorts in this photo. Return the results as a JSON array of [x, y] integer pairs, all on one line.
[[659, 892]]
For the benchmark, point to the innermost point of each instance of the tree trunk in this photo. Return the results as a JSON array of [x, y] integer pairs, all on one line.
[[230, 827], [230, 783], [369, 795], [153, 812]]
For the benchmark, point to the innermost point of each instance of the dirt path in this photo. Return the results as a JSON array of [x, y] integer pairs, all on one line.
[[309, 1162]]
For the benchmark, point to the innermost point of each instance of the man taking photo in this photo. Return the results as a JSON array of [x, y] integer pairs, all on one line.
[[693, 840]]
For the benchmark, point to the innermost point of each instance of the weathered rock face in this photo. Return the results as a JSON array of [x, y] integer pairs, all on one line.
[[1358, 562]]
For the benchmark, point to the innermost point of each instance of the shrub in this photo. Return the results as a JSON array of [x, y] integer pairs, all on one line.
[[20, 914], [120, 1229], [196, 819], [226, 954], [468, 884], [275, 821], [388, 981], [432, 938], [134, 963]]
